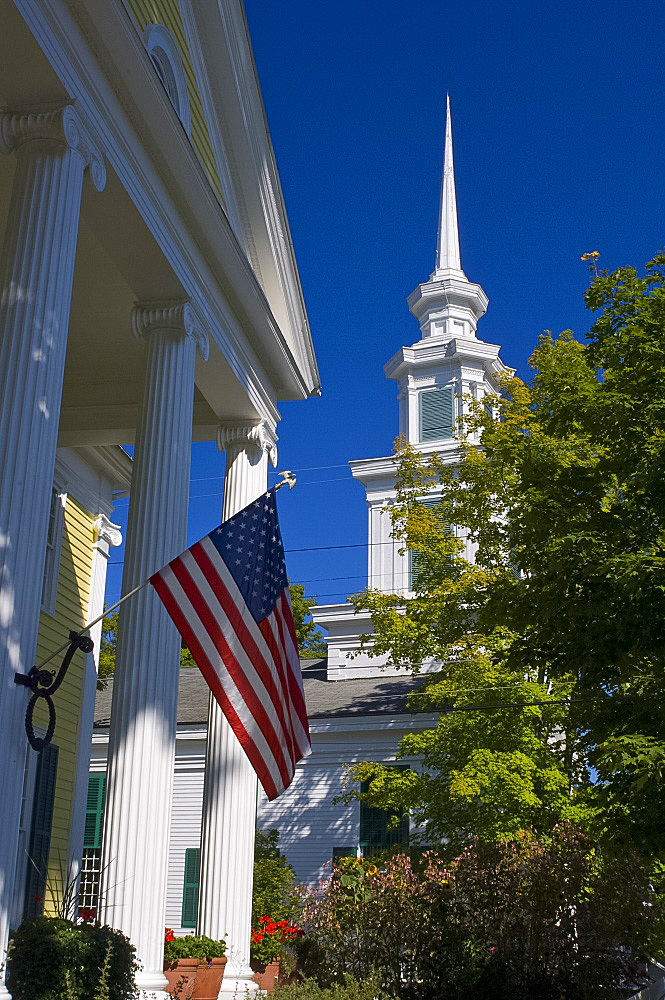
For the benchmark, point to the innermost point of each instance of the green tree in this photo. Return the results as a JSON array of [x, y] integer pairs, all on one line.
[[273, 879], [310, 638], [565, 503]]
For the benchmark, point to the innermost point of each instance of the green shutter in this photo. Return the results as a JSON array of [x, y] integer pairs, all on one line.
[[437, 414], [374, 832], [40, 830], [190, 889], [94, 811]]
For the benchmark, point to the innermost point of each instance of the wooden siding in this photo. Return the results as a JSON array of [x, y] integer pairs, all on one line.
[[71, 612], [166, 12], [185, 827]]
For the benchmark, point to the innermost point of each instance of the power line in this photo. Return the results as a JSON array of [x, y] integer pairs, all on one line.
[[220, 493]]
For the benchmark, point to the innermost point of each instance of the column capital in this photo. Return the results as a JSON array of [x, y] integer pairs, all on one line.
[[260, 436], [64, 125], [107, 531], [179, 316]]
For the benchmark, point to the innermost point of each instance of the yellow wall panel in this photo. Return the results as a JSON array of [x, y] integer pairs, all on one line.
[[166, 12], [71, 612]]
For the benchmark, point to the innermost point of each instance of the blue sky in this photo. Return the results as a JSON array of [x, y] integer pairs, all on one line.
[[559, 137]]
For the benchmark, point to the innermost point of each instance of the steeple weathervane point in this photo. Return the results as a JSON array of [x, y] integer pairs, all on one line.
[[448, 256]]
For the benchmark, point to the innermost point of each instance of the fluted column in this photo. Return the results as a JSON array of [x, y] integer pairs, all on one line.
[[53, 150], [145, 687], [229, 795]]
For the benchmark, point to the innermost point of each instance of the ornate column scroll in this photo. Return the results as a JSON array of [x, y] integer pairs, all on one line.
[[145, 690], [229, 796], [53, 149]]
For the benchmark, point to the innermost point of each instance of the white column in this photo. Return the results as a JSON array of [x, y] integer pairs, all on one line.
[[36, 277], [145, 686], [229, 796]]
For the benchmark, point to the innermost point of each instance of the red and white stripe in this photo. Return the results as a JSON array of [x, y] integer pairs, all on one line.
[[253, 670]]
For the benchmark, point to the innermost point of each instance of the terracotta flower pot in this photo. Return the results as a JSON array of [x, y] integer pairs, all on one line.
[[266, 976], [209, 979], [181, 975]]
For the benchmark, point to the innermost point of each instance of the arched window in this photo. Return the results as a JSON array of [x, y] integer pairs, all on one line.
[[163, 50]]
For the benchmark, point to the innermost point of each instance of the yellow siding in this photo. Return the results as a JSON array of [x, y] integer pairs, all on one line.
[[166, 12], [71, 612]]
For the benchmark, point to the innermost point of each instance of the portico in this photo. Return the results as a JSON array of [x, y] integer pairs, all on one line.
[[131, 312]]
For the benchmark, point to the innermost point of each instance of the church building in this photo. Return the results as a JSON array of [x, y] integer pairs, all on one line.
[[356, 703]]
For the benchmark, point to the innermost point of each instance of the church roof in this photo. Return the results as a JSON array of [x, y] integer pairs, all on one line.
[[378, 696]]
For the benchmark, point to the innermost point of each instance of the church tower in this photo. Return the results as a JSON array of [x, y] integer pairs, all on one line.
[[434, 375], [449, 361]]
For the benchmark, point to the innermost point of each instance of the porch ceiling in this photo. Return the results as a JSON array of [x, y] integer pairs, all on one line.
[[118, 263]]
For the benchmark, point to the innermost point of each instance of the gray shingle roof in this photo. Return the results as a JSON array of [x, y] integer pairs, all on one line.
[[385, 695]]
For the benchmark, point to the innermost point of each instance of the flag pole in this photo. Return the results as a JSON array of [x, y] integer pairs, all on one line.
[[288, 479]]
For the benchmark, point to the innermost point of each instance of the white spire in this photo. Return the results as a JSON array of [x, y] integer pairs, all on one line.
[[447, 256]]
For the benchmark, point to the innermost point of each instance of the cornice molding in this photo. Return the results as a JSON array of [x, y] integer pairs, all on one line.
[[63, 125], [259, 436], [179, 317]]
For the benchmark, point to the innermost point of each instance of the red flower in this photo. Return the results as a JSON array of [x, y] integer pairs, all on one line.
[[87, 914], [168, 934]]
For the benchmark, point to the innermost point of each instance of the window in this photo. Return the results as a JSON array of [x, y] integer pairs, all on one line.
[[437, 413], [165, 54], [92, 843], [56, 522], [432, 503], [25, 823], [375, 832], [344, 852], [40, 831], [190, 888]]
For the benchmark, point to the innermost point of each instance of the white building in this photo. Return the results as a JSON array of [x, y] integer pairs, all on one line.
[[149, 295], [356, 704]]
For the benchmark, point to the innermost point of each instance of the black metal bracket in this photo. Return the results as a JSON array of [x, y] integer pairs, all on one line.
[[44, 683]]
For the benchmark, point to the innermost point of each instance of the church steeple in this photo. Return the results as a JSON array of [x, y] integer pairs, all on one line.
[[448, 305], [447, 254], [449, 363]]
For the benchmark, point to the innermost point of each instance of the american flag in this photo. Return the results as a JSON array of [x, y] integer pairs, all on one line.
[[229, 598]]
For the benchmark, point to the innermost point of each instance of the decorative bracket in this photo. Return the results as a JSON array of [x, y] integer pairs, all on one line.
[[43, 684]]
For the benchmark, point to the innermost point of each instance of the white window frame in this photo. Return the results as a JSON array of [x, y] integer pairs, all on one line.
[[53, 550]]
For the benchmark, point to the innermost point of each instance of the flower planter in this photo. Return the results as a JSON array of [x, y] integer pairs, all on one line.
[[190, 979], [266, 976], [180, 976], [209, 979]]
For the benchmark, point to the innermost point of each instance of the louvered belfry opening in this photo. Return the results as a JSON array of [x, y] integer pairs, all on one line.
[[437, 413]]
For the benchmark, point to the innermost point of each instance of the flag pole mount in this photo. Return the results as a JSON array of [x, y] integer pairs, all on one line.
[[44, 684], [288, 479]]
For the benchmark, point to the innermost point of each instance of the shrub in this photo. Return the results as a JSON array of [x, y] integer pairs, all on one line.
[[527, 919], [349, 989], [273, 879], [192, 946], [52, 959]]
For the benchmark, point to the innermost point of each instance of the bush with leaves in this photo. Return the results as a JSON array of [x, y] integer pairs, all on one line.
[[349, 989], [191, 946], [527, 919], [53, 959], [273, 879]]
